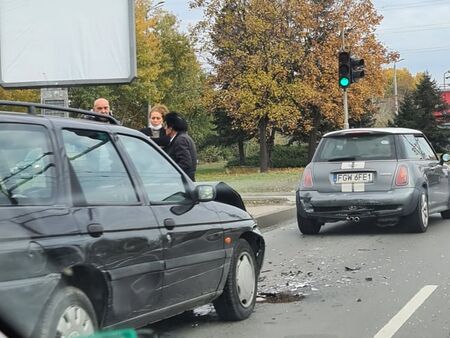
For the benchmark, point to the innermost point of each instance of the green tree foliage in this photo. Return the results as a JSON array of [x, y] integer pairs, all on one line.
[[416, 112], [275, 62], [167, 72], [27, 95], [182, 82]]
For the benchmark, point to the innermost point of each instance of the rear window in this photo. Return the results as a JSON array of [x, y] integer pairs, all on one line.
[[356, 148]]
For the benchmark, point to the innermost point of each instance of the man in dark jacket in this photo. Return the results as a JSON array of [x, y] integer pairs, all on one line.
[[181, 147]]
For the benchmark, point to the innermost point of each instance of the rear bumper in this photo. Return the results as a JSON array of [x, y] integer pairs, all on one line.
[[326, 207]]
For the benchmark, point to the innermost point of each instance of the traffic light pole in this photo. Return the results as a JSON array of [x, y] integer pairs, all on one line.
[[346, 125]]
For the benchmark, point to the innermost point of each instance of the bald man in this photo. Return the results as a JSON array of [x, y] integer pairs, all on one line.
[[101, 106]]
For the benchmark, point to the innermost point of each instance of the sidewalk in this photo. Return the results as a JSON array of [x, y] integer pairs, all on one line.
[[270, 208]]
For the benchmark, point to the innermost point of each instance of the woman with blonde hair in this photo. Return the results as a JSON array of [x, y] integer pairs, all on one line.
[[155, 129]]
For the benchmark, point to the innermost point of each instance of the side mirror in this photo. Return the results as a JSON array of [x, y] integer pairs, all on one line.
[[444, 158], [205, 193]]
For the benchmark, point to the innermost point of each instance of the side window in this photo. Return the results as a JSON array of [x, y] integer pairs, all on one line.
[[27, 165], [426, 148], [162, 182], [98, 167], [412, 148]]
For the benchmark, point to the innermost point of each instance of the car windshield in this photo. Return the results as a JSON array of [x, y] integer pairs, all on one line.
[[356, 148]]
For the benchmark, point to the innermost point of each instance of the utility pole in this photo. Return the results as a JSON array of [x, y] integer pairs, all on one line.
[[395, 87]]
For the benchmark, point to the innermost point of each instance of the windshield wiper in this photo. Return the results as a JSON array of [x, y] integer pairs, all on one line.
[[343, 158], [8, 194]]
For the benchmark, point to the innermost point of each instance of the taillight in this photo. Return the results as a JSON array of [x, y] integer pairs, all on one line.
[[307, 178], [402, 177]]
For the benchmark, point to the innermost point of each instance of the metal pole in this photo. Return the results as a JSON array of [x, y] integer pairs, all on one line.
[[444, 80], [346, 125], [395, 89]]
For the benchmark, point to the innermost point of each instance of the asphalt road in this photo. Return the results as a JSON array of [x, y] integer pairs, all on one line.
[[351, 280]]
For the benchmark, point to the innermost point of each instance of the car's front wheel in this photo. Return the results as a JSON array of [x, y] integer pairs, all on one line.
[[417, 221], [69, 313], [239, 295], [308, 226]]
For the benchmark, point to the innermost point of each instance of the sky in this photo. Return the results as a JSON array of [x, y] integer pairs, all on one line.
[[418, 30]]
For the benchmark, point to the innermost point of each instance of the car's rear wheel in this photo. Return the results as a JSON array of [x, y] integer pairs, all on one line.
[[308, 226], [69, 313], [239, 295], [417, 221]]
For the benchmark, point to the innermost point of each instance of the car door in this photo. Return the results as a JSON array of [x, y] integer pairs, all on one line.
[[122, 235], [193, 236], [437, 175]]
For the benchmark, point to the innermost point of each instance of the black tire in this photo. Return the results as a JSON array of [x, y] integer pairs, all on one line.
[[417, 221], [445, 214], [64, 303], [308, 226], [234, 304]]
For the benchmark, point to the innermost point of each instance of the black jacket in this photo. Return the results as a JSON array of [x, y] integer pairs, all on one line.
[[182, 151], [162, 140]]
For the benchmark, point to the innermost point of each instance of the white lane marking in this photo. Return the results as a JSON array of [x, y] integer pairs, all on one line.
[[403, 315]]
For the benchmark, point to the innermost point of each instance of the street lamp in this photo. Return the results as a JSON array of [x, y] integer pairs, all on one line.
[[446, 77], [395, 86]]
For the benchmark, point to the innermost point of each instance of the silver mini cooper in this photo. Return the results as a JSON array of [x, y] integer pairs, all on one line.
[[384, 174]]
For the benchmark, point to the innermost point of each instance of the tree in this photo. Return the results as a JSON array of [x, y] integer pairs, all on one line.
[[130, 102], [183, 82], [275, 63], [26, 95], [416, 112], [168, 72]]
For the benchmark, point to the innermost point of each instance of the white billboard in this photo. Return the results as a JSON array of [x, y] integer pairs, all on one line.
[[46, 43]]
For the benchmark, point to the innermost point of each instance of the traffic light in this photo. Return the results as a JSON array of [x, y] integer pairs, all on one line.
[[357, 71], [344, 69]]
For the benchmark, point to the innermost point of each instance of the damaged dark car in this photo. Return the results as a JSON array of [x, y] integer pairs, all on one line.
[[101, 229]]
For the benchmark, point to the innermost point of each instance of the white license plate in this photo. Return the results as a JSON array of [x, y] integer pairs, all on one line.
[[353, 178]]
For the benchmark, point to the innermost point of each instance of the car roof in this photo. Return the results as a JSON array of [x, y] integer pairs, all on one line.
[[353, 131], [64, 122]]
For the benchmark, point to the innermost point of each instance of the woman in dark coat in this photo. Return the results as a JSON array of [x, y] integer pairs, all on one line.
[[181, 147], [155, 129]]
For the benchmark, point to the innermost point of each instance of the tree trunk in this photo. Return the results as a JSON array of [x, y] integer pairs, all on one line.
[[313, 134], [270, 144], [263, 149], [241, 151]]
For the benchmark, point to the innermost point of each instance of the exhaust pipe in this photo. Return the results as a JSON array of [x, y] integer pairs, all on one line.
[[355, 219]]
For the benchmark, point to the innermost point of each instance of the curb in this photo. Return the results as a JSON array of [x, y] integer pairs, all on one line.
[[270, 219]]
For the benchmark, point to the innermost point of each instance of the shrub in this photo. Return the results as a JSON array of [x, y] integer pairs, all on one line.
[[212, 153], [283, 156]]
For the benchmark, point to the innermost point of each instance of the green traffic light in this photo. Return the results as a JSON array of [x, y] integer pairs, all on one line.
[[344, 81]]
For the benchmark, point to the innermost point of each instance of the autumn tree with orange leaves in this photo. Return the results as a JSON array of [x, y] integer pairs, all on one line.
[[275, 63]]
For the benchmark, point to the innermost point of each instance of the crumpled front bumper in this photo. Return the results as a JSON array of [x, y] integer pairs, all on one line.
[[326, 207]]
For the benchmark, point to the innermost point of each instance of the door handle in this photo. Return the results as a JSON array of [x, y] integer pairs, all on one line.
[[169, 223], [95, 229]]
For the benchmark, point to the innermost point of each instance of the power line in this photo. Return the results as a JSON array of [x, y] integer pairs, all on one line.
[[414, 4], [416, 28], [425, 50]]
